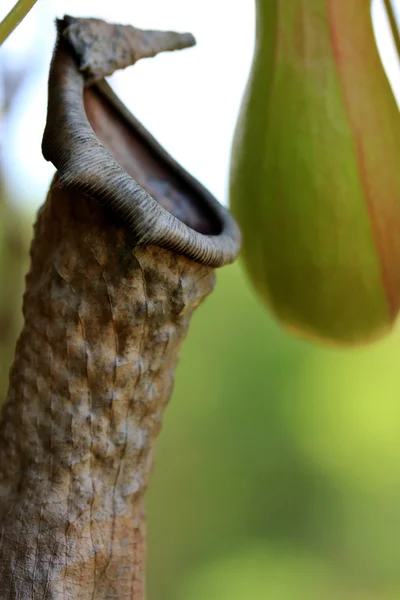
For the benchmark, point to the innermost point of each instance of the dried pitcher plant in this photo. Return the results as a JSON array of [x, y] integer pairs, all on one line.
[[123, 252]]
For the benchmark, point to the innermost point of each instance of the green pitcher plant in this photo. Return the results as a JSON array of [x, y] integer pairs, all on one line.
[[315, 176]]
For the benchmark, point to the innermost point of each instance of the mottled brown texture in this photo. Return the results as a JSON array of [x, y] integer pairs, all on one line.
[[107, 304], [93, 371]]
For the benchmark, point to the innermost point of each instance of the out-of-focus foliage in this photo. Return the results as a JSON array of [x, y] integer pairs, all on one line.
[[276, 475], [14, 243], [13, 264]]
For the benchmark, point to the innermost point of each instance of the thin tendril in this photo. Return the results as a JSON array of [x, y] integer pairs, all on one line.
[[14, 18]]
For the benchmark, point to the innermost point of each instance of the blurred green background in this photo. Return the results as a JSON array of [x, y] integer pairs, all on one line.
[[276, 475]]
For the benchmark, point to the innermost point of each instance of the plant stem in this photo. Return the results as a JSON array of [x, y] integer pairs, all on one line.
[[14, 18], [393, 25]]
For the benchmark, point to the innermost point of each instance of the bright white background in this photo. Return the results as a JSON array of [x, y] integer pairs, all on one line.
[[189, 100]]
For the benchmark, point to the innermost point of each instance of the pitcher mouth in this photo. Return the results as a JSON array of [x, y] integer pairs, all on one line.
[[101, 149]]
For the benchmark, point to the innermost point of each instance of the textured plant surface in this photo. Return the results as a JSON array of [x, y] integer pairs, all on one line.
[[106, 307], [93, 371]]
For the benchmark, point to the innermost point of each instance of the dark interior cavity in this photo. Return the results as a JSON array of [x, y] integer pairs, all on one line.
[[147, 166]]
